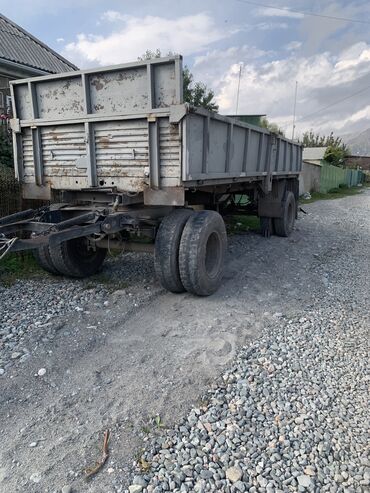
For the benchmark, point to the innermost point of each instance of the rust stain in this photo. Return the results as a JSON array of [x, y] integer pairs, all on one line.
[[98, 83]]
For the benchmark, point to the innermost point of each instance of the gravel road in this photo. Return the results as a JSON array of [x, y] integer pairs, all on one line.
[[262, 387]]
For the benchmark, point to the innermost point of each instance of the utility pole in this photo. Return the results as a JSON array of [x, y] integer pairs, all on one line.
[[295, 106], [237, 94]]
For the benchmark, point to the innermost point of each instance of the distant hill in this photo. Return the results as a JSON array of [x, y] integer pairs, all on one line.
[[358, 143]]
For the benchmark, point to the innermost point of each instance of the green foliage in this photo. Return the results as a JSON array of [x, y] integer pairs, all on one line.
[[335, 155], [18, 266], [6, 149], [273, 127], [195, 93], [310, 139]]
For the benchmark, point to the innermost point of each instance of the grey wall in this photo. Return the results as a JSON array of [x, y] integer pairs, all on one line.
[[309, 179]]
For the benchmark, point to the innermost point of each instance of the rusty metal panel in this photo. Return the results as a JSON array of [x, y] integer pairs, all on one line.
[[119, 90], [121, 150]]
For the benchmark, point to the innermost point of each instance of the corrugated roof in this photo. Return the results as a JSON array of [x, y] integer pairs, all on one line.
[[19, 46]]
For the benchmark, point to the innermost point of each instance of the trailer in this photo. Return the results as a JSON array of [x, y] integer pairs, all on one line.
[[125, 163]]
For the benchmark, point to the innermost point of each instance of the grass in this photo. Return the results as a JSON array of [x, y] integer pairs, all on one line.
[[241, 224], [18, 266], [335, 193]]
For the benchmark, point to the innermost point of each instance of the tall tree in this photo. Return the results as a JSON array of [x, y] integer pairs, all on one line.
[[273, 127], [195, 93]]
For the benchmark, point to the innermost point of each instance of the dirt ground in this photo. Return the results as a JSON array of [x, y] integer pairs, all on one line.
[[119, 366]]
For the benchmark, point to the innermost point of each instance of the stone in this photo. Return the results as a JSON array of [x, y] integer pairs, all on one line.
[[234, 474], [33, 444], [135, 488], [41, 372], [67, 489], [139, 480], [35, 477], [16, 355], [304, 481]]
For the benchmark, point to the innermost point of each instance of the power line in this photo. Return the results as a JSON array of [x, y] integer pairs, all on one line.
[[303, 12], [333, 104]]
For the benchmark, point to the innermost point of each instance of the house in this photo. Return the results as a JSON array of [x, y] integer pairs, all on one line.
[[361, 162], [310, 177], [22, 55]]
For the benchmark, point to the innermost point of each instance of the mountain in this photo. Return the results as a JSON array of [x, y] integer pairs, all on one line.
[[358, 143]]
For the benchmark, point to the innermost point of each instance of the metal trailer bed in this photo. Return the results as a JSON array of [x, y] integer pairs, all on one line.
[[117, 152]]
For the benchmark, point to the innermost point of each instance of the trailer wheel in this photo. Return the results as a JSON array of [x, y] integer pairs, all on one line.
[[284, 225], [73, 258], [43, 258], [202, 253], [166, 254]]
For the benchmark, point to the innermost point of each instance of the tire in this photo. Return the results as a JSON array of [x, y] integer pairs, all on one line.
[[166, 253], [284, 225], [202, 253], [43, 258], [73, 258]]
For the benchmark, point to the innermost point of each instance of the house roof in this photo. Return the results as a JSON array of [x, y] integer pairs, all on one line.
[[316, 162], [19, 46], [313, 153]]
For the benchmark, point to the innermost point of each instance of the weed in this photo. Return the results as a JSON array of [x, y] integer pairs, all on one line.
[[19, 266], [334, 193]]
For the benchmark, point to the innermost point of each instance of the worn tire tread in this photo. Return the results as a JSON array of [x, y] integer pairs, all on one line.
[[280, 223], [191, 243], [44, 260], [167, 243]]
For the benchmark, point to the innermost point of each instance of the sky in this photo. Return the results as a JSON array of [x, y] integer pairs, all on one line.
[[328, 58]]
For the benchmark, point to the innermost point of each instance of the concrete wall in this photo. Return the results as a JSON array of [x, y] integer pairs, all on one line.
[[309, 179]]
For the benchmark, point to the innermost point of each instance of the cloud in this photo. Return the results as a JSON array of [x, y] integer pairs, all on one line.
[[268, 26], [271, 12], [323, 80], [293, 45], [134, 35]]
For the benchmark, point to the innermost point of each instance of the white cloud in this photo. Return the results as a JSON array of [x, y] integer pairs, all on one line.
[[271, 12], [293, 45], [60, 40], [323, 79], [269, 26], [185, 35]]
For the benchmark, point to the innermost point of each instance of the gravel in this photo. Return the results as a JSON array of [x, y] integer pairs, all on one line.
[[32, 310], [275, 365], [291, 414]]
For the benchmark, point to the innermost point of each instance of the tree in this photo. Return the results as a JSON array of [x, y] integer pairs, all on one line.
[[336, 151], [273, 127], [195, 93]]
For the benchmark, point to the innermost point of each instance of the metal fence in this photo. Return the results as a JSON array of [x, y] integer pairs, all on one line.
[[333, 177]]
